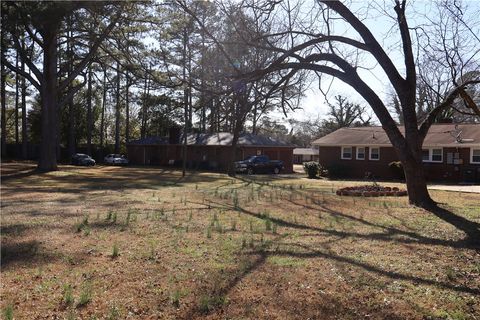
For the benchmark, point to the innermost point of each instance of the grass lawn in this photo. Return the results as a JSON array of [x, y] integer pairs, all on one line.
[[143, 243]]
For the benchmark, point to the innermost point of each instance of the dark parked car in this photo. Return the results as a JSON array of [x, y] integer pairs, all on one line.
[[81, 159], [259, 164]]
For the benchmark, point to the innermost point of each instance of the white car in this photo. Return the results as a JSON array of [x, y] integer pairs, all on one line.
[[116, 159]]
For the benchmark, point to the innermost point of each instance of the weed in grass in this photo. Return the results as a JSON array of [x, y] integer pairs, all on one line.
[[235, 200], [268, 225], [175, 298], [114, 313], [251, 226], [218, 227], [109, 216], [114, 217], [86, 231], [209, 233], [82, 225], [274, 228], [190, 216], [251, 243], [450, 273], [98, 215], [129, 214], [68, 295], [215, 217], [209, 303], [8, 312], [115, 251], [85, 295], [244, 243], [234, 225]]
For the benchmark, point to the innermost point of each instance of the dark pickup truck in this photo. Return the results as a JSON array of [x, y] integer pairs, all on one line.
[[258, 164]]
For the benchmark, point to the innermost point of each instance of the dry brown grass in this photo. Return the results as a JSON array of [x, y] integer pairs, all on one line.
[[209, 246]]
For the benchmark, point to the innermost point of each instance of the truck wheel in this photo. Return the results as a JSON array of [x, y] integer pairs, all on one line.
[[276, 170], [250, 171]]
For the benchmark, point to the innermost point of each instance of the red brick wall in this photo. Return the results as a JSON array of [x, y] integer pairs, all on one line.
[[212, 156], [331, 156]]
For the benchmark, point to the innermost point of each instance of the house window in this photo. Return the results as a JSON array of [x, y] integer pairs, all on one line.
[[347, 153], [360, 153], [432, 155], [425, 155], [374, 153], [475, 156]]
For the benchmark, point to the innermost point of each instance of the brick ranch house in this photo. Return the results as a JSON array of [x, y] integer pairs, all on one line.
[[207, 151], [450, 152]]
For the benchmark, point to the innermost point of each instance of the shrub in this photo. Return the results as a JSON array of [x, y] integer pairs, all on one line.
[[337, 171], [397, 170], [312, 169]]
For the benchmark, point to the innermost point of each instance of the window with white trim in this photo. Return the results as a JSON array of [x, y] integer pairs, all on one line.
[[475, 155], [360, 153], [346, 153], [374, 153], [432, 155]]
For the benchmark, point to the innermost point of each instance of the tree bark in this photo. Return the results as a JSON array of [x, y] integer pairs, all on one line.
[[117, 113], [89, 111], [416, 184], [104, 99], [49, 102], [127, 109], [24, 110], [4, 108], [17, 103], [71, 140]]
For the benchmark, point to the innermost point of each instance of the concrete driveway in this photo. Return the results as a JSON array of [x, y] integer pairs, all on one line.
[[458, 188]]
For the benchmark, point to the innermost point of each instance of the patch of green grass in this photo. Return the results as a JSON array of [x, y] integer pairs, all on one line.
[[85, 295], [82, 225], [115, 251], [285, 261], [209, 303], [8, 312], [114, 313], [68, 295]]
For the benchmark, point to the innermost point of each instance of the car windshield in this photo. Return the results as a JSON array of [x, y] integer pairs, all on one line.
[[80, 155], [249, 158]]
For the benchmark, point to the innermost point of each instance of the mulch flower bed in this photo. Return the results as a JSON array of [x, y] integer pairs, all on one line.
[[371, 191]]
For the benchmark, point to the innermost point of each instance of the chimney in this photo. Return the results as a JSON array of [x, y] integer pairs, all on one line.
[[174, 135]]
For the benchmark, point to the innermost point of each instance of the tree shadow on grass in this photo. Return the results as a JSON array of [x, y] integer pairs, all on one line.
[[22, 252], [471, 228]]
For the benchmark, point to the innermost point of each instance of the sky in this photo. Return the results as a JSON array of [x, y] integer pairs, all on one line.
[[418, 13]]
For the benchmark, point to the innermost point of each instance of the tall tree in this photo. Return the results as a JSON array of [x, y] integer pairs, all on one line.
[[324, 52], [44, 19]]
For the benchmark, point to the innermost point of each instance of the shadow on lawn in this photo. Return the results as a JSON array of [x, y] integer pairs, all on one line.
[[23, 253], [471, 229], [389, 234]]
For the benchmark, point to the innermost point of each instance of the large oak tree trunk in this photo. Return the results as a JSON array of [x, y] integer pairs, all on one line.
[[416, 184], [49, 103]]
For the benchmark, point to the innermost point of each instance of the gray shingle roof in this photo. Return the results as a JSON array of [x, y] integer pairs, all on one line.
[[438, 135], [217, 139]]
